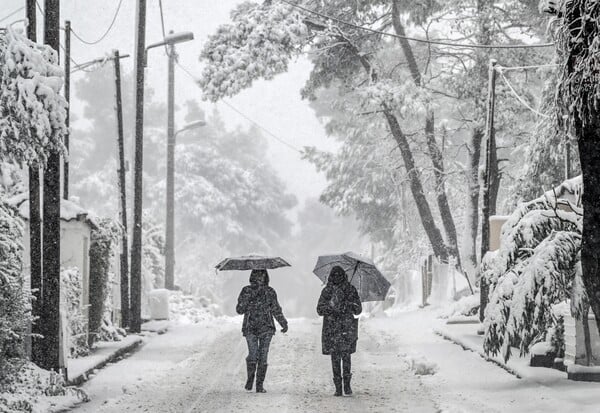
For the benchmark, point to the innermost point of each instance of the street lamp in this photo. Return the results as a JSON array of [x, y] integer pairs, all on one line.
[[170, 41], [194, 125], [170, 227]]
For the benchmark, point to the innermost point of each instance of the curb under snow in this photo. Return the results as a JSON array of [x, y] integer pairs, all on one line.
[[454, 339], [82, 377]]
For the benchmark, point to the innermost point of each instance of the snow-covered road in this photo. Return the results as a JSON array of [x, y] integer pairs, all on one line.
[[210, 377], [201, 368]]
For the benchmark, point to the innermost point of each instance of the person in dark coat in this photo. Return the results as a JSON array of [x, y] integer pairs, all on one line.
[[338, 304], [258, 303]]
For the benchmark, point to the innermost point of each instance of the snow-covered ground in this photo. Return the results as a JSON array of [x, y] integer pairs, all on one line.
[[400, 366]]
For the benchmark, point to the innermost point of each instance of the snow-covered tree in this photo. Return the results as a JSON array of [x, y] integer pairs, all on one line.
[[536, 267], [32, 109], [392, 85], [578, 40]]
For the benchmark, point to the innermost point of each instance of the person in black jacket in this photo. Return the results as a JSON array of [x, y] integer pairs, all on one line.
[[258, 303], [338, 304]]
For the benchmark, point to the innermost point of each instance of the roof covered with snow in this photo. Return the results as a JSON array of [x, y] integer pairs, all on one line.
[[69, 210]]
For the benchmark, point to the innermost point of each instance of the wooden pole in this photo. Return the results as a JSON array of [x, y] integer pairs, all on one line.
[[68, 99], [50, 320], [136, 246], [125, 310], [490, 157], [35, 225], [170, 202]]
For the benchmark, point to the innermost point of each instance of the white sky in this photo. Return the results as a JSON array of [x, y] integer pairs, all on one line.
[[276, 105]]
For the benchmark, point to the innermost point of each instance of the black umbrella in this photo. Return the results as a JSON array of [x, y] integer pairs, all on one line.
[[251, 262], [362, 274]]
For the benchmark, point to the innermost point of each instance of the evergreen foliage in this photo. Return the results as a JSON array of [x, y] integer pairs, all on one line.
[[15, 308], [102, 248]]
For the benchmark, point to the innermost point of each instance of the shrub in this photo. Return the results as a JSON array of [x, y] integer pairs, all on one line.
[[15, 313], [103, 240]]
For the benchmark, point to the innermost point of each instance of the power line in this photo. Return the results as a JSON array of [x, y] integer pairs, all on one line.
[[112, 23], [162, 24], [511, 68], [239, 112], [258, 125], [162, 18], [415, 39], [11, 14], [519, 98]]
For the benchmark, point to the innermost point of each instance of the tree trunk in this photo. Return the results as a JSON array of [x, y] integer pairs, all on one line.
[[472, 218], [440, 188], [433, 233], [433, 149], [589, 154], [416, 187]]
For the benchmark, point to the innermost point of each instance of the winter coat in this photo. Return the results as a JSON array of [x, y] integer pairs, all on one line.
[[258, 303], [338, 304]]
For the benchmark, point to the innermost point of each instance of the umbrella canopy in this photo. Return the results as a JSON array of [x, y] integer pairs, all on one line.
[[251, 262], [362, 274]]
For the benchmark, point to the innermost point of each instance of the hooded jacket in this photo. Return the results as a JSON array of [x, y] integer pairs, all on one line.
[[258, 303], [338, 304]]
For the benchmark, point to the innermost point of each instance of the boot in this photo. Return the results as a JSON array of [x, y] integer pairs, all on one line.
[[338, 386], [261, 372], [347, 388], [251, 368]]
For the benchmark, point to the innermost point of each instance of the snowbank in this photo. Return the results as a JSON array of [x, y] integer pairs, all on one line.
[[419, 365], [466, 306], [188, 309], [39, 391]]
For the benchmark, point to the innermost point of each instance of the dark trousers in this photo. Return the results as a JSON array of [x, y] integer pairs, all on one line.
[[258, 347], [341, 361]]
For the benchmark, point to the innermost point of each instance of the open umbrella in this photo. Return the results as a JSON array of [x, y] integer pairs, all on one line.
[[362, 274], [251, 262]]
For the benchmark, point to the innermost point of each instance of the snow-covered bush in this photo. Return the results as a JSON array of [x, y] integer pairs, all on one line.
[[103, 240], [108, 331], [536, 267], [71, 290], [32, 109], [153, 253], [465, 307], [15, 315], [188, 309], [419, 365], [36, 390]]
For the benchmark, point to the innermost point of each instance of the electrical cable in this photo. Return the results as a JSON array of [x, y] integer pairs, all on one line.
[[112, 23], [511, 68], [162, 18], [239, 112], [11, 14], [162, 24], [415, 39], [519, 98]]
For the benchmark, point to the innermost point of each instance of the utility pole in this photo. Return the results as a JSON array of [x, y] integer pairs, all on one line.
[[170, 223], [169, 42], [68, 99], [488, 208], [122, 189], [50, 320], [136, 247], [35, 226]]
